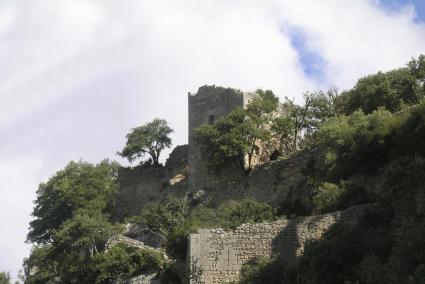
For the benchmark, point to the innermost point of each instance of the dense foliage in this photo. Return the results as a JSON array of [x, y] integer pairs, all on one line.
[[392, 90], [148, 139], [372, 152], [125, 262], [71, 224], [79, 186]]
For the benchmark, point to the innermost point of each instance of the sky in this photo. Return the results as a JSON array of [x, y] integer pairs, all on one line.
[[76, 76]]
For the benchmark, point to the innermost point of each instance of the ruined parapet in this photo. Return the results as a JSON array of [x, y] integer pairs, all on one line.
[[217, 256]]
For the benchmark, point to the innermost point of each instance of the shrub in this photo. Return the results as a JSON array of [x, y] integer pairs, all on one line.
[[123, 261], [234, 213], [328, 196]]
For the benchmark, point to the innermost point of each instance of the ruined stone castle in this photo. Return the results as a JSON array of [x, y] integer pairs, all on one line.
[[186, 172], [216, 255]]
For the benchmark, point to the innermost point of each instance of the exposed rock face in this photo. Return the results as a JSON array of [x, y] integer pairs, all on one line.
[[120, 239], [152, 278], [219, 255], [141, 279], [140, 233]]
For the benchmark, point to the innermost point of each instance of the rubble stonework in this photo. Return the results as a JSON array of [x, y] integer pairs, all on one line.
[[140, 279], [219, 255], [120, 239]]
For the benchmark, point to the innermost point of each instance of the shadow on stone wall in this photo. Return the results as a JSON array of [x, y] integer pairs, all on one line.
[[223, 253], [289, 244]]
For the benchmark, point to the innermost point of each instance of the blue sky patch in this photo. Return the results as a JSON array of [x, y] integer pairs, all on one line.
[[312, 62], [394, 5]]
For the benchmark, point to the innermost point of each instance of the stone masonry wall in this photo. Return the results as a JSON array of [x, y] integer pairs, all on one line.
[[140, 186], [120, 239], [274, 183], [219, 254]]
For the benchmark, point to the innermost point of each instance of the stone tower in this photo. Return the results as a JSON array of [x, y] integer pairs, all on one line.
[[206, 106]]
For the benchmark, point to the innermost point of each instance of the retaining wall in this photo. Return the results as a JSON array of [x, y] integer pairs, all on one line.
[[219, 255]]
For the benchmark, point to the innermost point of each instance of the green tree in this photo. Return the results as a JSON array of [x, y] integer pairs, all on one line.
[[162, 217], [40, 267], [150, 139], [71, 224], [299, 115], [4, 278], [282, 129], [304, 119], [392, 90], [87, 232], [124, 261], [237, 137], [79, 185], [234, 213]]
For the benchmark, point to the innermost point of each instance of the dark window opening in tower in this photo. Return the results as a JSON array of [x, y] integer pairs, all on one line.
[[211, 119]]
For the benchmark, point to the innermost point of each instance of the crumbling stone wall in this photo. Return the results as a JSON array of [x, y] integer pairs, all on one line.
[[140, 185], [218, 255], [140, 279], [275, 182]]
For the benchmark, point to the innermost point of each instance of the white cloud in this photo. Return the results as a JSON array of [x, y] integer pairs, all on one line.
[[77, 75], [356, 37], [18, 178]]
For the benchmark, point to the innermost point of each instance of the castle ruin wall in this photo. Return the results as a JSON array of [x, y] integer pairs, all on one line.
[[219, 255]]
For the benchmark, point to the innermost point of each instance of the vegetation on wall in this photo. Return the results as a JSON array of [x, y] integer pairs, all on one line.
[[238, 135], [264, 124], [175, 218]]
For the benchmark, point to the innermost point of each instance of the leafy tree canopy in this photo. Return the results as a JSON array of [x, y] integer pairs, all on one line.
[[390, 89], [79, 185], [149, 139], [238, 135], [71, 225]]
